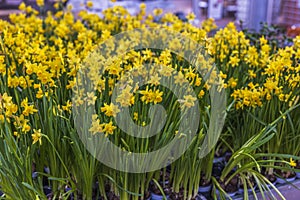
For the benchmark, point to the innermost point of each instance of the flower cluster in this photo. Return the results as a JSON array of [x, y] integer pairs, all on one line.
[[46, 58]]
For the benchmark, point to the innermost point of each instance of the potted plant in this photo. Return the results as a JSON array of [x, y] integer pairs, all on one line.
[[285, 176], [219, 153], [247, 184], [286, 172], [230, 187], [205, 185], [159, 192]]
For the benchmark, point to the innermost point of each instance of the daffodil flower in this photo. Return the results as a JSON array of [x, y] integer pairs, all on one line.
[[292, 163]]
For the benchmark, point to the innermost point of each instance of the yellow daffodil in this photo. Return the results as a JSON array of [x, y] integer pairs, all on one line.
[[40, 3], [89, 4], [292, 163], [180, 78], [96, 126], [110, 110], [68, 106], [108, 128], [189, 101], [37, 136], [135, 116]]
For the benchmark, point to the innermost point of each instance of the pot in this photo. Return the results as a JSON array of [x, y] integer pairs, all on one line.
[[47, 191], [272, 178], [274, 183], [200, 197], [231, 188], [284, 180], [71, 196], [230, 194], [218, 159], [249, 190], [157, 196], [298, 174], [204, 189], [34, 175]]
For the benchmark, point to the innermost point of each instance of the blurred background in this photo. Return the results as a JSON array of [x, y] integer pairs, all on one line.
[[285, 13]]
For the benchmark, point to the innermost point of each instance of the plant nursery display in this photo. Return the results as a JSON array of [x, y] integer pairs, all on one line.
[[71, 82]]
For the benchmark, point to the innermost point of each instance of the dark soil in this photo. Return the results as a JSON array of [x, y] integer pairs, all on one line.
[[219, 153], [252, 182], [155, 189], [228, 156], [232, 186], [271, 177], [112, 196], [204, 182], [147, 195], [286, 174], [217, 169]]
